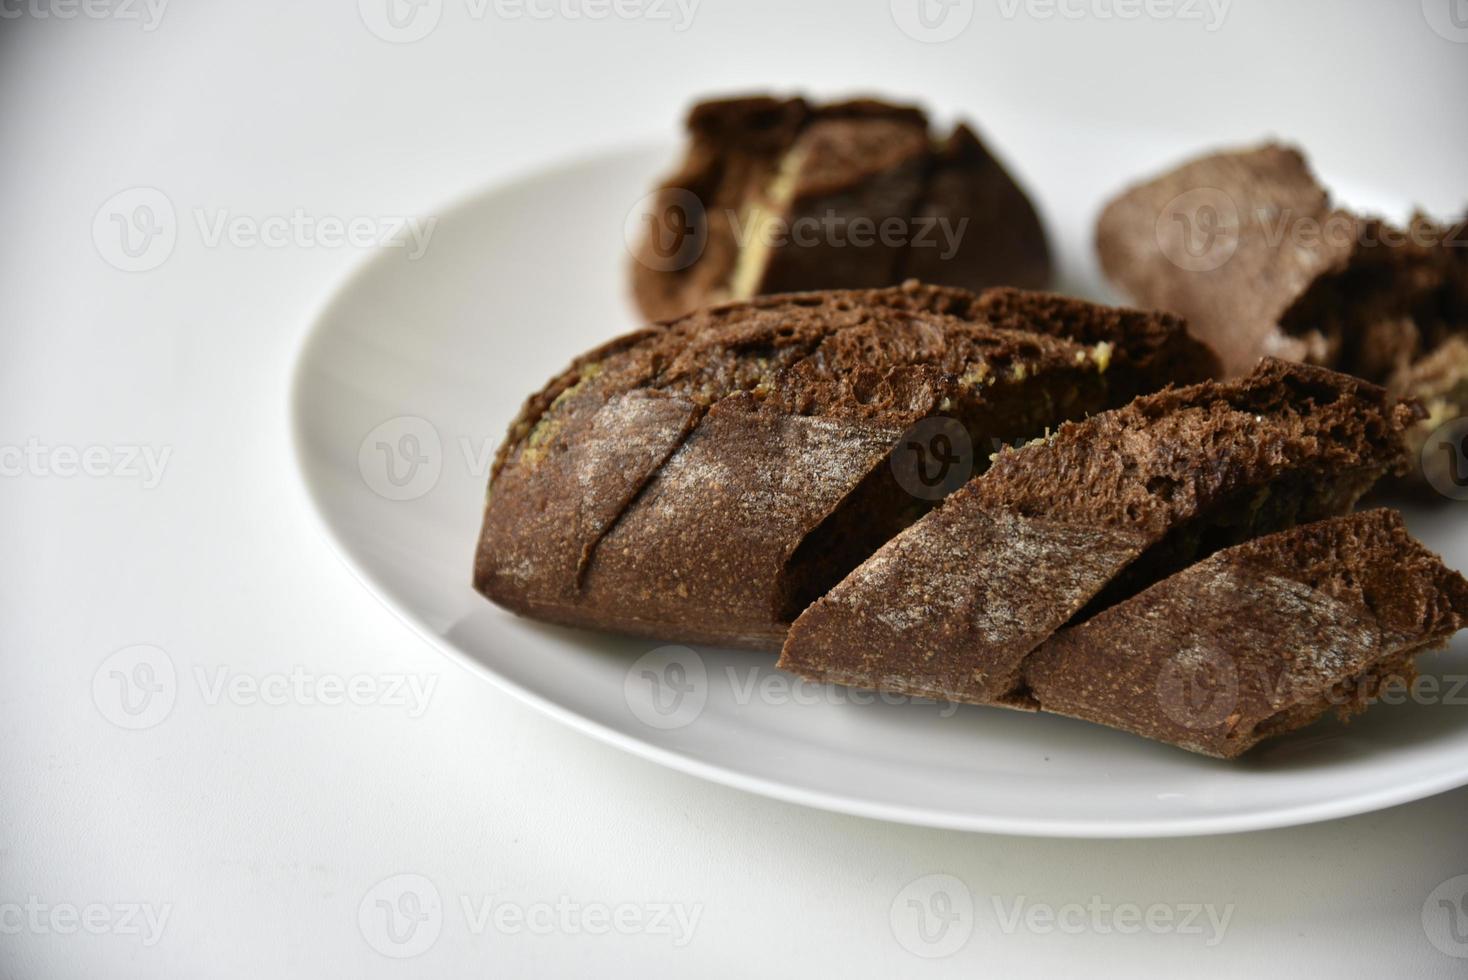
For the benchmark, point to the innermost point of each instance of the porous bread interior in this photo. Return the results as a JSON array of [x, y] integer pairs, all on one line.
[[1390, 305]]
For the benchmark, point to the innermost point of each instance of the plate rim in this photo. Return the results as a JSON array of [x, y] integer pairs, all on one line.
[[310, 332]]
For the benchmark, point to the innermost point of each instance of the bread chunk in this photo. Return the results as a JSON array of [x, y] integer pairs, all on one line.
[[782, 195], [1248, 247], [1258, 640]]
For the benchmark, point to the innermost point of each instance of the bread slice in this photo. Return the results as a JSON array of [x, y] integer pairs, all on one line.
[[951, 607], [701, 480], [1249, 248], [781, 195], [1259, 639]]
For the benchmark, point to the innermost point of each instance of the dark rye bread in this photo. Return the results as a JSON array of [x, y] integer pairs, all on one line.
[[1054, 530], [695, 480], [782, 195], [1259, 639], [1248, 247]]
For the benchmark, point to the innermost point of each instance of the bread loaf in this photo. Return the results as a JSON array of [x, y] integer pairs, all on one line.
[[703, 480]]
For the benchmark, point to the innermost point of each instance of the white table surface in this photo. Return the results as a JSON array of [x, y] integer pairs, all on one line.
[[253, 832]]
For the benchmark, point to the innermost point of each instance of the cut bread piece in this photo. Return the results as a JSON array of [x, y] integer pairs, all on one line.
[[1249, 248], [1259, 639], [1058, 529], [700, 480], [782, 195]]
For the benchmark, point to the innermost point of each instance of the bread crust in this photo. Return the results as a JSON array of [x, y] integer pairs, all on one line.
[[662, 484]]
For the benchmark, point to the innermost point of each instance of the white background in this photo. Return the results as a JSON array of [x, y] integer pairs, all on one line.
[[262, 828]]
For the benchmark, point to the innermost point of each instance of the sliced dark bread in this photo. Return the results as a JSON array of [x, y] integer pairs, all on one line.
[[700, 480], [1259, 639], [1055, 530]]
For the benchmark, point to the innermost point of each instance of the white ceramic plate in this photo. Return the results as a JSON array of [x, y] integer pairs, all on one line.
[[420, 363]]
